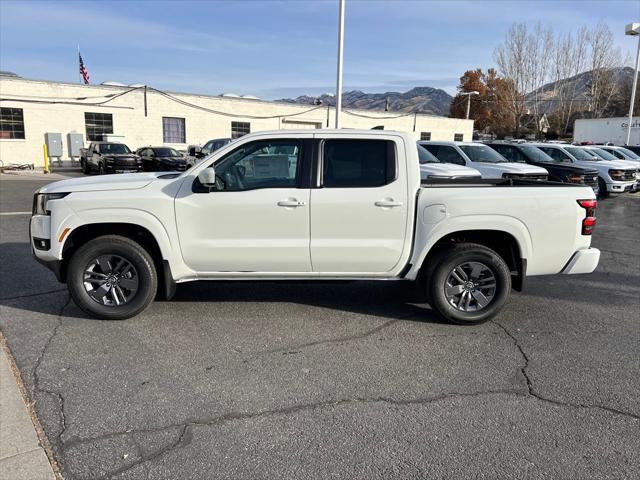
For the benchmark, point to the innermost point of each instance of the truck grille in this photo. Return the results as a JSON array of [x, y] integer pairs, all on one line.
[[629, 175], [591, 179], [525, 176]]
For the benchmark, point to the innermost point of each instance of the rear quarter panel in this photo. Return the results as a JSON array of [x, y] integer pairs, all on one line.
[[544, 220]]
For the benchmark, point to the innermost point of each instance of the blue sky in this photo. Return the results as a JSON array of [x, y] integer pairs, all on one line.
[[276, 49]]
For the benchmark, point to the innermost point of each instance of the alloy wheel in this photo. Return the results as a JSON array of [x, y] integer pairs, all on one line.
[[110, 280], [470, 286]]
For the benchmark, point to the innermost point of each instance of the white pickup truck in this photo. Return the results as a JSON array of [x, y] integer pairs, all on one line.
[[329, 204]]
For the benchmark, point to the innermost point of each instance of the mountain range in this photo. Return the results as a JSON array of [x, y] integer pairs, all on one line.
[[435, 101], [425, 100]]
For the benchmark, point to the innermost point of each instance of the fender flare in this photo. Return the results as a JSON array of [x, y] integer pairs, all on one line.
[[430, 235]]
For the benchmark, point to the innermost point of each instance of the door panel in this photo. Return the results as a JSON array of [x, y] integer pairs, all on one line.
[[244, 231], [255, 219], [358, 229]]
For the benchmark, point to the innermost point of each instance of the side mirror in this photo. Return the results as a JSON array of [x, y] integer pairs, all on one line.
[[207, 177]]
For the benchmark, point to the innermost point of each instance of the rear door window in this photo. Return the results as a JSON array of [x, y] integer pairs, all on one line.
[[358, 163]]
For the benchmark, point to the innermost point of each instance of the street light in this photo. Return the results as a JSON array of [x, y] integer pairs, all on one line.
[[633, 29], [468, 94]]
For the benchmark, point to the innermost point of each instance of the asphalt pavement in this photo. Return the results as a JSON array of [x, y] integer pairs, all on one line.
[[308, 380]]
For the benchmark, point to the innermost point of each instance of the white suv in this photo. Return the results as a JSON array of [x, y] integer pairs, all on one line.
[[613, 176], [484, 159]]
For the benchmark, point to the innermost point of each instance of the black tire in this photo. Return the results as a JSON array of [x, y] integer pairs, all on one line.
[[468, 254], [85, 167], [602, 189], [101, 170], [113, 246]]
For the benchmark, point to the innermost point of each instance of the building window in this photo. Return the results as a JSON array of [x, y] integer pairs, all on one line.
[[97, 124], [425, 135], [458, 137], [11, 123], [173, 130], [239, 129]]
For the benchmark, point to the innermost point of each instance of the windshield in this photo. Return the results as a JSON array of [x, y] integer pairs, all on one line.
[[582, 154], [482, 153], [536, 154], [425, 156], [165, 152], [603, 154], [629, 153], [114, 148]]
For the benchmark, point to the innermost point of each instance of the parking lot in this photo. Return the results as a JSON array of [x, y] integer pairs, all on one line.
[[325, 380]]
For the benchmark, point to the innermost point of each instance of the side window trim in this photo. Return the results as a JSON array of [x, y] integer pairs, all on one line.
[[301, 172], [318, 171]]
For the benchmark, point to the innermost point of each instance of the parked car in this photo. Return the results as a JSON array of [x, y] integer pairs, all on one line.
[[558, 171], [196, 153], [634, 148], [622, 153], [353, 207], [111, 157], [608, 156], [431, 167], [159, 159], [613, 177], [484, 159]]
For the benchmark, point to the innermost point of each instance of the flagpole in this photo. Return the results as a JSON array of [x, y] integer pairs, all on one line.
[[78, 60]]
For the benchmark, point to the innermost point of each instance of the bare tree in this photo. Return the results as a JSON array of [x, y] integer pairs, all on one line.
[[569, 60], [512, 61], [605, 61], [539, 46]]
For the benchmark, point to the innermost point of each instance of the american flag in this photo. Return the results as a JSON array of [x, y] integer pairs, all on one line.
[[83, 70]]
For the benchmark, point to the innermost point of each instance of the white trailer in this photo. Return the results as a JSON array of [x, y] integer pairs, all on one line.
[[603, 130]]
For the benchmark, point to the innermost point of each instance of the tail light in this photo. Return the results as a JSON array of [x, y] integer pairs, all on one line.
[[589, 221]]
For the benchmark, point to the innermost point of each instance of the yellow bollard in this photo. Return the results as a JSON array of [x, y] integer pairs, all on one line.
[[46, 158]]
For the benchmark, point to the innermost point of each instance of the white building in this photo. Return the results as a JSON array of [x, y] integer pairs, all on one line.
[[141, 116], [603, 130]]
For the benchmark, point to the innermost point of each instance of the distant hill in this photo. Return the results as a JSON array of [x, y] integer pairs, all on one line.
[[425, 100], [580, 82]]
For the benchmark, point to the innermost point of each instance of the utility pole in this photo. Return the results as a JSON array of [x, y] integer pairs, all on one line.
[[468, 94], [340, 51]]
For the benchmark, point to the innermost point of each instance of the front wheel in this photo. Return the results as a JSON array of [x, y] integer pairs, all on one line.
[[469, 284], [602, 189], [112, 278]]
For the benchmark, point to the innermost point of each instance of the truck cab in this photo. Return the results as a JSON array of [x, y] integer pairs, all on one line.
[[484, 159]]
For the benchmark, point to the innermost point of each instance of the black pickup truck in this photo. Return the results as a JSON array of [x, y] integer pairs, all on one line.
[[110, 157], [558, 171]]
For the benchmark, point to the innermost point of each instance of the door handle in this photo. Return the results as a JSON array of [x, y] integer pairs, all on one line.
[[388, 203], [291, 203]]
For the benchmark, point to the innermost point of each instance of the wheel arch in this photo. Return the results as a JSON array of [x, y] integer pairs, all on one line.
[[504, 243]]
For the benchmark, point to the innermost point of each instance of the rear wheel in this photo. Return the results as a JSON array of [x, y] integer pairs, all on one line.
[[112, 278], [469, 284]]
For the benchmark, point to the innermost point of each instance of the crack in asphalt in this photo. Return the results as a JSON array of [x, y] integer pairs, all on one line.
[[33, 294], [532, 392], [36, 377]]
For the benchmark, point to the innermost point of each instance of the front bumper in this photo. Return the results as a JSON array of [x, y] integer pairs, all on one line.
[[621, 187], [582, 261], [122, 168]]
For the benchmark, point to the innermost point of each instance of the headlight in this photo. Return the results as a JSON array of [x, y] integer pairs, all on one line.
[[40, 201], [616, 174], [575, 178]]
